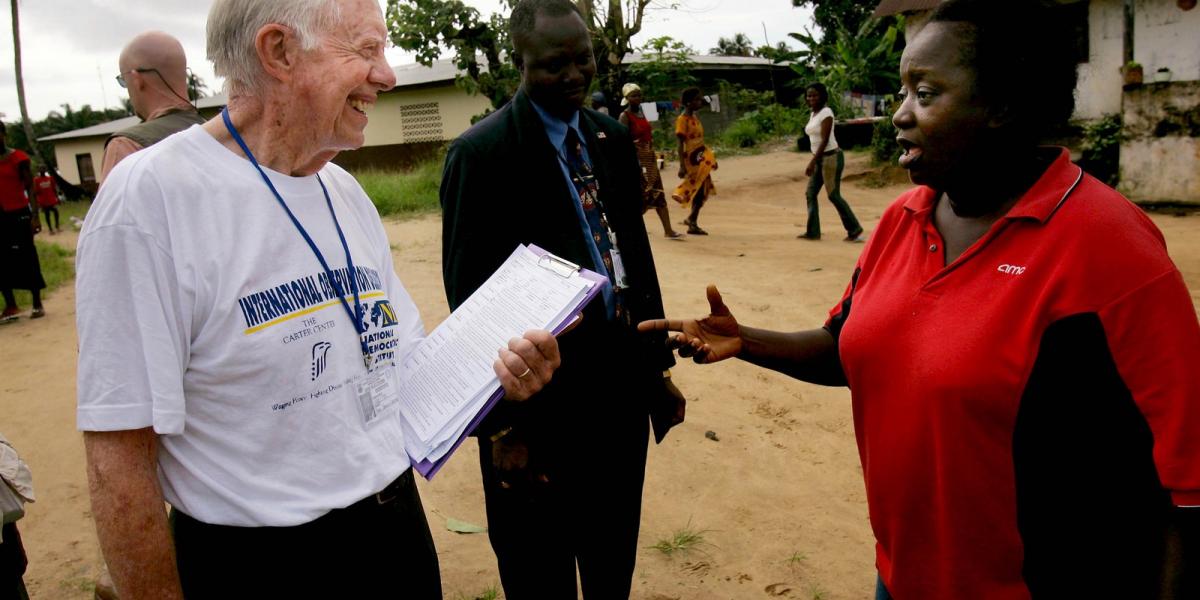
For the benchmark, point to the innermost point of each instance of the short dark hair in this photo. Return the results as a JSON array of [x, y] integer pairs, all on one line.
[[689, 94], [1006, 69], [523, 20], [821, 90]]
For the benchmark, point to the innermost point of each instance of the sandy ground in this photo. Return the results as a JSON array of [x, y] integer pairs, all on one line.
[[779, 498]]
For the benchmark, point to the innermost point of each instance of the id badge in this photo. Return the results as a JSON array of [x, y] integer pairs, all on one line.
[[376, 393], [618, 270]]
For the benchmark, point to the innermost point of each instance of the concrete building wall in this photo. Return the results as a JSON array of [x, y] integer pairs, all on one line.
[[1098, 92], [422, 115], [1167, 36], [404, 126], [66, 151], [1164, 36], [1160, 155]]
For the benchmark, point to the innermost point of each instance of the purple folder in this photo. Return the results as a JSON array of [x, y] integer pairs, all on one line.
[[427, 468]]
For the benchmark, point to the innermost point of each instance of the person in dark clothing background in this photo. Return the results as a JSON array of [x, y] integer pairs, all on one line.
[[19, 265]]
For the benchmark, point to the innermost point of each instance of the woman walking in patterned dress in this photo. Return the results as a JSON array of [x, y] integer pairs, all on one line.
[[696, 161], [641, 132]]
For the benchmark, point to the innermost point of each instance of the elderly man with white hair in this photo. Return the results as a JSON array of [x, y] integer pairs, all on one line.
[[228, 365]]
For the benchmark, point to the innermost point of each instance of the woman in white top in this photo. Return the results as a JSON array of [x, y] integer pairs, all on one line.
[[825, 167]]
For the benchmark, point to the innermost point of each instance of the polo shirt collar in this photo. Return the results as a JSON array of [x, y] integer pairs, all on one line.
[[1038, 203]]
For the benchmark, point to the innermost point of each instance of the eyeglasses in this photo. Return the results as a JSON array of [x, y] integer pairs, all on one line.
[[121, 77]]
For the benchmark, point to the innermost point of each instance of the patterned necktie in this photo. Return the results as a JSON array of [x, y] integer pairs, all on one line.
[[588, 190]]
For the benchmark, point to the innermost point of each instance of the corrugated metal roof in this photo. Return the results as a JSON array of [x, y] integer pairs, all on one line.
[[895, 7]]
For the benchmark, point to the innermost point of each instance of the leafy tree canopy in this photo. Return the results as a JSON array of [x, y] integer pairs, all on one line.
[[665, 69], [738, 45], [481, 48], [780, 53], [866, 60], [68, 119], [832, 15]]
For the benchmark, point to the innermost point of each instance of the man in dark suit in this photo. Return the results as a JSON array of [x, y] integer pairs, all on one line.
[[563, 472]]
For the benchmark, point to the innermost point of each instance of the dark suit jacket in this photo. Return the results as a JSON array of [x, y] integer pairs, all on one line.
[[503, 186]]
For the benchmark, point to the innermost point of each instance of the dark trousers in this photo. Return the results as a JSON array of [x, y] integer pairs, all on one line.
[[587, 516], [12, 564], [379, 547], [47, 212], [19, 266], [829, 174]]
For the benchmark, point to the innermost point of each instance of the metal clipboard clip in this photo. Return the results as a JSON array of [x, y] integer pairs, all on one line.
[[561, 267]]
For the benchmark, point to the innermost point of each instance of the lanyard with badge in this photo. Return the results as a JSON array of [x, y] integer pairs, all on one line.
[[376, 392]]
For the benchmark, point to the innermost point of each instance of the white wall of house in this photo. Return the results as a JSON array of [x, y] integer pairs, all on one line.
[[422, 115], [65, 152], [1158, 153], [1098, 92], [399, 117], [1167, 36], [1164, 36]]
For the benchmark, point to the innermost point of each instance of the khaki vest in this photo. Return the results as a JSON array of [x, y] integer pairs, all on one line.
[[151, 132]]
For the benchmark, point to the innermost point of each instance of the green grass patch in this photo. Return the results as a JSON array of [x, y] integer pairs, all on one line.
[[683, 540], [58, 267], [490, 593], [403, 193], [72, 208]]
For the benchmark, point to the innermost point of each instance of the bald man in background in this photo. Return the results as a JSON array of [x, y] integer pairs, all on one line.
[[154, 70]]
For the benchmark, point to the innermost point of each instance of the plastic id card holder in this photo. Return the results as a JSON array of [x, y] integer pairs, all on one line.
[[376, 392]]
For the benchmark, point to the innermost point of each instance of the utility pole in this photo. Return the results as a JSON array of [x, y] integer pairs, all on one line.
[[770, 67]]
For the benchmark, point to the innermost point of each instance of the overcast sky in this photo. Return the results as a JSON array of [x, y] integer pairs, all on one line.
[[70, 47]]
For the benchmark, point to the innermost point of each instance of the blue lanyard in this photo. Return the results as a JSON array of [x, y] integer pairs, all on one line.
[[353, 276]]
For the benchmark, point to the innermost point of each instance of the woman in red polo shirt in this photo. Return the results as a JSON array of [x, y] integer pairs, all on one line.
[[1020, 349]]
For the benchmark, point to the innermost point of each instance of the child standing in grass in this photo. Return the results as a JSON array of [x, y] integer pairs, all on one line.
[[47, 198]]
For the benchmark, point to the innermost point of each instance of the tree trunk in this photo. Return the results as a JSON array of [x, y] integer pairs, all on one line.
[[28, 125]]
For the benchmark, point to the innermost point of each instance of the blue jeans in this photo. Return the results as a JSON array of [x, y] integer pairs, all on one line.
[[829, 174]]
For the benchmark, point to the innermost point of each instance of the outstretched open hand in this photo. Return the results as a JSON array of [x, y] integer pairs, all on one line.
[[713, 338]]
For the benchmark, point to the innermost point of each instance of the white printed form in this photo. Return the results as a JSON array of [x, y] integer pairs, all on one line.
[[451, 370]]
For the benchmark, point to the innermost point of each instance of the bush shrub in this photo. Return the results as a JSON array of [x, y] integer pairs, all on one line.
[[1102, 149], [771, 121], [884, 149], [404, 192]]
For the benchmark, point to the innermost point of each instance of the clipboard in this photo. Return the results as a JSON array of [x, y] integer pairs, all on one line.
[[563, 268]]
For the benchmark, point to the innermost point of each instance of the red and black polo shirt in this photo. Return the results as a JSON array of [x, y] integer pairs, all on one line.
[[1026, 415]]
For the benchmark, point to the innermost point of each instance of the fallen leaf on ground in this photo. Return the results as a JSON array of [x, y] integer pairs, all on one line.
[[458, 526]]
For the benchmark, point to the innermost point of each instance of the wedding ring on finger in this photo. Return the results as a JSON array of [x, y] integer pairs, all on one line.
[[525, 374]]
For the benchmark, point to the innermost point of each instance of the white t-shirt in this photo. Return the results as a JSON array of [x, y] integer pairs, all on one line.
[[203, 313], [813, 129]]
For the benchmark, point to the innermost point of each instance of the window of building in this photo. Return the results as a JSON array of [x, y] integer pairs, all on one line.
[[421, 122]]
